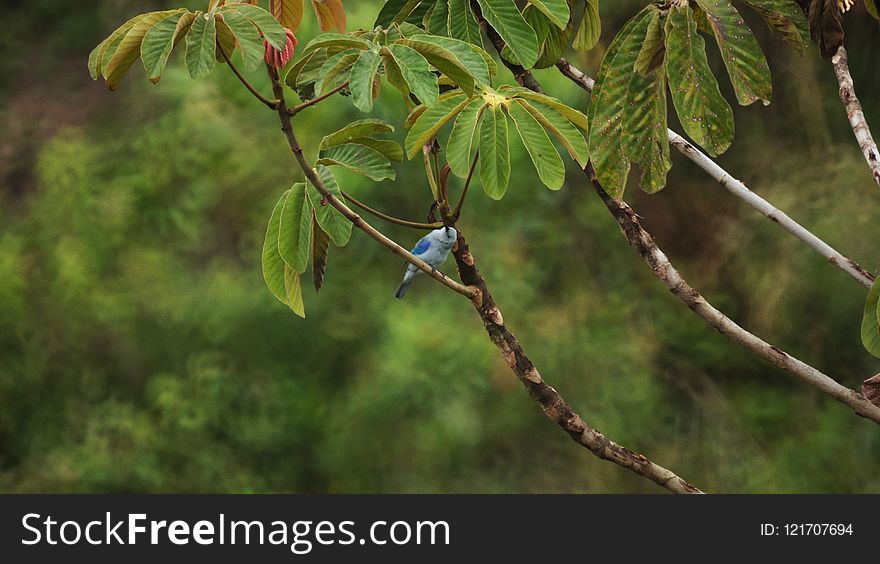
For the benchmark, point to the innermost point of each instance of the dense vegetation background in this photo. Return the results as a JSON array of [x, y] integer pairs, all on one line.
[[140, 350]]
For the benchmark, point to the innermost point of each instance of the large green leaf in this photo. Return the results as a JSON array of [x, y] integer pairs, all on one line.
[[355, 130], [129, 48], [334, 67], [591, 27], [200, 43], [506, 19], [273, 264], [559, 127], [494, 152], [330, 219], [443, 60], [870, 323], [787, 18], [653, 50], [432, 119], [341, 41], [360, 159], [248, 36], [415, 72], [745, 62], [225, 39], [437, 19], [295, 229], [557, 11], [363, 72], [460, 147], [395, 11], [160, 40], [704, 113], [390, 149], [463, 24], [571, 114], [546, 159], [555, 42], [265, 22], [609, 106], [105, 50], [320, 252], [646, 141], [469, 56]]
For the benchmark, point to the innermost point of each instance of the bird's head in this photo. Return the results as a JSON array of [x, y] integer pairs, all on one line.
[[449, 234]]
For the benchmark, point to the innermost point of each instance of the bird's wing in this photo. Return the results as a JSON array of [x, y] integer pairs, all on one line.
[[423, 245]]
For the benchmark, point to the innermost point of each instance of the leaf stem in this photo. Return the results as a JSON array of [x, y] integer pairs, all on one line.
[[309, 103], [389, 218], [271, 104]]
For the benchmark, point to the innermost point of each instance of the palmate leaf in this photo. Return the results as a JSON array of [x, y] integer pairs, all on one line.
[[745, 62], [494, 152], [338, 40], [555, 42], [506, 19], [461, 146], [432, 118], [391, 150], [704, 113], [293, 291], [200, 42], [653, 51], [160, 40], [105, 50], [360, 159], [295, 229], [363, 73], [129, 48], [449, 62], [436, 21], [546, 159], [541, 26], [787, 18], [871, 321], [336, 67], [463, 24], [591, 27], [571, 114], [225, 39], [608, 107], [557, 11], [337, 226]]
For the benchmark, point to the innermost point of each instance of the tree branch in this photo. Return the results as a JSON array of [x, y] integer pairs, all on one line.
[[642, 242], [552, 403], [271, 104], [287, 127], [738, 189], [855, 114], [389, 218], [309, 103]]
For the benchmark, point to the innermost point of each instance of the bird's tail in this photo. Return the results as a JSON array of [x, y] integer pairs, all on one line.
[[404, 286]]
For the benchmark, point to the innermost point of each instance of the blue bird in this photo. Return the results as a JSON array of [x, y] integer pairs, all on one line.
[[433, 248]]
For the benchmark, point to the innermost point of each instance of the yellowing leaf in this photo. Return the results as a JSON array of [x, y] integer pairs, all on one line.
[[288, 12], [331, 14]]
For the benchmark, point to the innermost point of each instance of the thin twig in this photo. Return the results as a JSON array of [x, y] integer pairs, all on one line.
[[642, 241], [271, 104], [467, 184], [287, 127], [741, 191], [855, 114], [309, 103], [389, 218]]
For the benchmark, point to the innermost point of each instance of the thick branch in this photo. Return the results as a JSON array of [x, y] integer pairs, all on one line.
[[738, 189], [855, 114], [290, 135], [552, 403], [642, 241]]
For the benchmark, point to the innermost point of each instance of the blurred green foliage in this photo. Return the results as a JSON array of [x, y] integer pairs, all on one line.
[[141, 352]]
